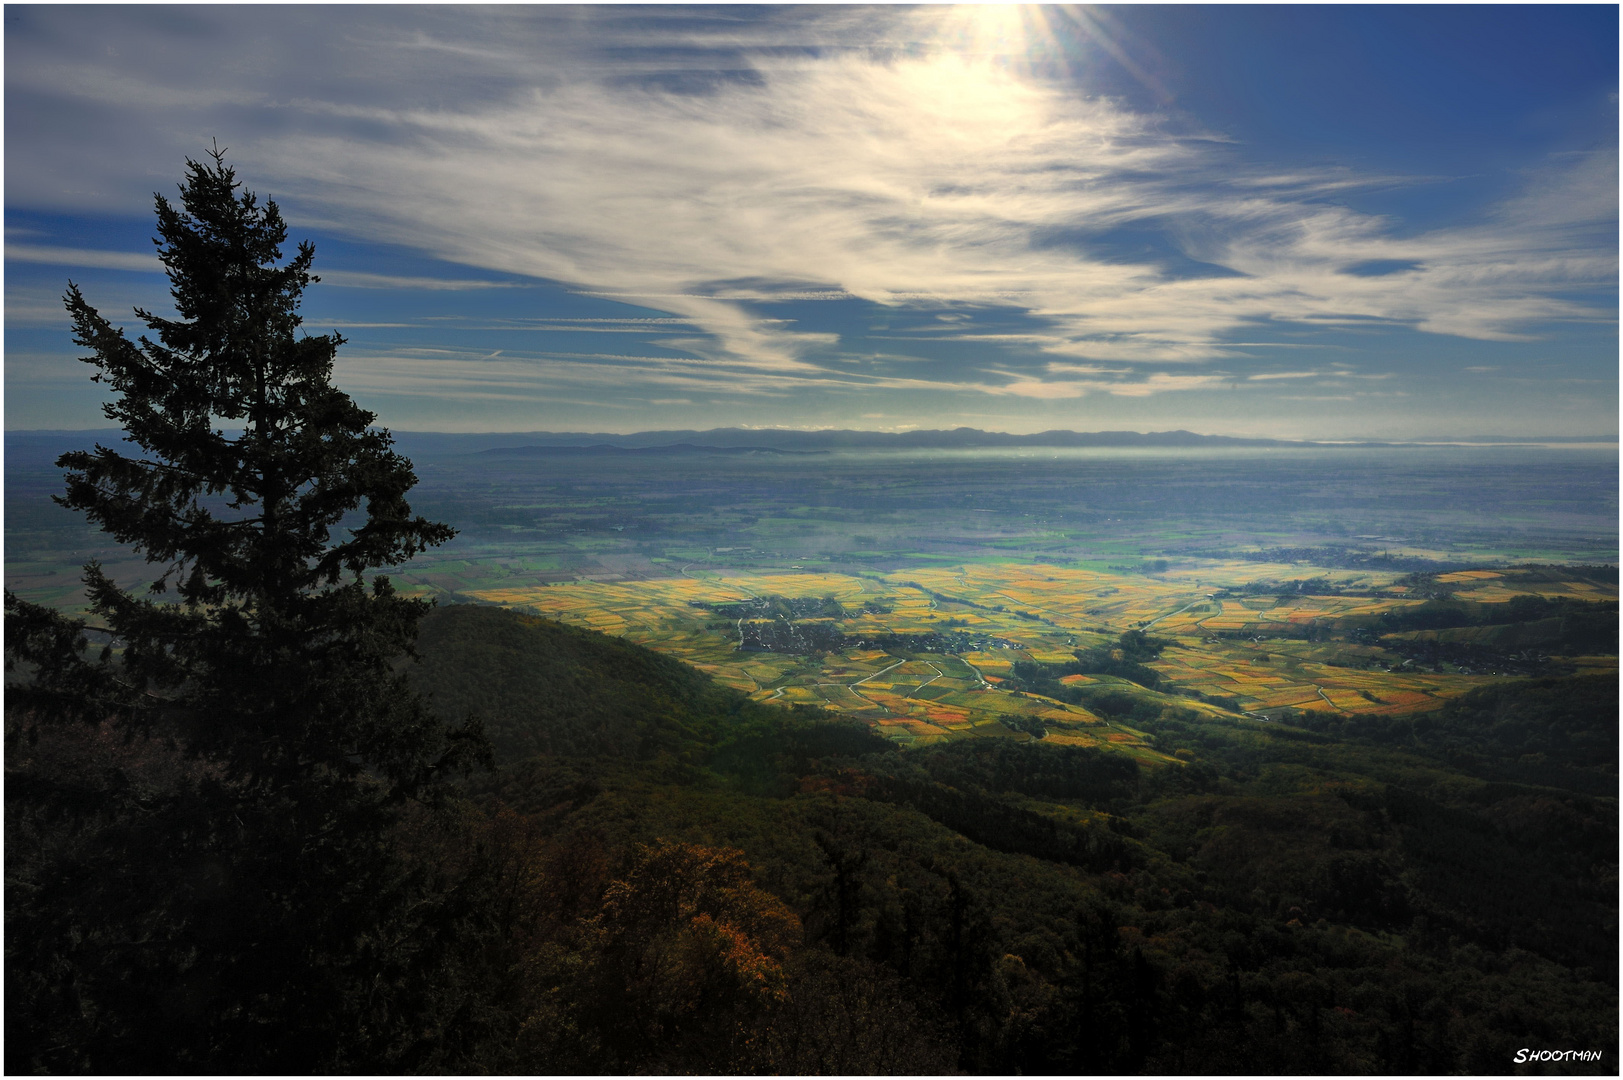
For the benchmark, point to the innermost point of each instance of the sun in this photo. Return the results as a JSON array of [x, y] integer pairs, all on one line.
[[1052, 40], [1007, 33]]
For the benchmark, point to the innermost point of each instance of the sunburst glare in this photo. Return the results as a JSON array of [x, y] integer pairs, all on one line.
[[1049, 41]]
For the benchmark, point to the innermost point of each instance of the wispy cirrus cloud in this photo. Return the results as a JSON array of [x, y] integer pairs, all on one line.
[[129, 260], [356, 279], [83, 257], [929, 180], [543, 374], [718, 168]]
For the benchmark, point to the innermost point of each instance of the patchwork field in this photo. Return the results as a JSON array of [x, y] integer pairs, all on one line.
[[929, 652]]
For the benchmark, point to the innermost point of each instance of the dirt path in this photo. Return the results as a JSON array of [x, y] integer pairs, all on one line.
[[926, 682], [853, 686], [855, 693], [984, 684], [1180, 611], [876, 675]]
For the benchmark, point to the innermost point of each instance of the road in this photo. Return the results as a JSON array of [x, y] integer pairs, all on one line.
[[878, 673], [1180, 611], [984, 684], [926, 682]]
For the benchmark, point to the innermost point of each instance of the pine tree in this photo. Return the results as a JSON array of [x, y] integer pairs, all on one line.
[[248, 914]]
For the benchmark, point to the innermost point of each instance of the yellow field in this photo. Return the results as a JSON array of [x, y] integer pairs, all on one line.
[[1468, 575], [1496, 587], [1238, 648]]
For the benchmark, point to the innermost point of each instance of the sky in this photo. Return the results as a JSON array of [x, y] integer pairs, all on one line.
[[1294, 222]]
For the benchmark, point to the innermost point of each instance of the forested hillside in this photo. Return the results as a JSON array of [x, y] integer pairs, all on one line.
[[663, 876], [672, 878]]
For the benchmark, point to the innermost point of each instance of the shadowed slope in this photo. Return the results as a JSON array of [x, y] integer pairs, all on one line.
[[545, 688]]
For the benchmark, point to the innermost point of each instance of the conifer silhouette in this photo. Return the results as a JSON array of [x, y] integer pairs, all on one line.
[[249, 915]]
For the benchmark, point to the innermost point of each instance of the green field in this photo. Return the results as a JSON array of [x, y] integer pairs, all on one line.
[[1266, 654]]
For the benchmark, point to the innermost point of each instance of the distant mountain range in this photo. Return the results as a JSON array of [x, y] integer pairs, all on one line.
[[784, 439], [607, 450], [29, 445], [789, 441]]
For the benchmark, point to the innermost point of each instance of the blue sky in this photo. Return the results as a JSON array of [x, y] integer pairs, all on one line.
[[1320, 222]]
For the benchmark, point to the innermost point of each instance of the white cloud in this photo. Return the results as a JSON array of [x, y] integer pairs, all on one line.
[[892, 162], [929, 179], [96, 260], [34, 312], [356, 279], [1034, 388]]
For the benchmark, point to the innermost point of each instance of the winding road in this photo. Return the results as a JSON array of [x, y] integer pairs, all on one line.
[[926, 682]]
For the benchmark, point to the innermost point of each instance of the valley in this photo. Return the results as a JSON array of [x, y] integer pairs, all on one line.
[[949, 594], [928, 653], [1253, 762]]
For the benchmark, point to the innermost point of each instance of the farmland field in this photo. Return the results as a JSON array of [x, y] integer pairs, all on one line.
[[1268, 573], [1253, 652], [949, 595]]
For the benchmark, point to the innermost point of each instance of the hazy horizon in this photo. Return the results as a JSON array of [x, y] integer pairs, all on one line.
[[1590, 439]]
